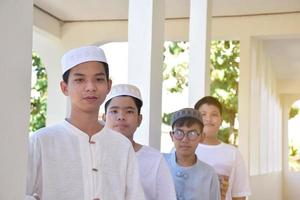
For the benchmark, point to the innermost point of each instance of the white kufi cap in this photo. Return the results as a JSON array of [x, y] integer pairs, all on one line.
[[124, 90], [80, 55]]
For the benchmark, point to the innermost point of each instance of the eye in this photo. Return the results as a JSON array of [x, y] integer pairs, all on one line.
[[130, 111], [100, 79], [178, 132], [193, 133], [113, 111], [79, 80]]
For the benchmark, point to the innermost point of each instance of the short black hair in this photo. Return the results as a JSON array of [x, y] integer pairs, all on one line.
[[210, 101], [65, 76], [137, 102], [188, 121]]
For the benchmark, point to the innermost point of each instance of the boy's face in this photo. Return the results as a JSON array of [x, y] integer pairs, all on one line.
[[212, 119], [122, 116], [87, 86], [186, 146]]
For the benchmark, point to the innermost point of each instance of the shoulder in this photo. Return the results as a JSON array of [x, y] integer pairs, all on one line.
[[49, 131], [205, 167], [149, 151], [114, 137]]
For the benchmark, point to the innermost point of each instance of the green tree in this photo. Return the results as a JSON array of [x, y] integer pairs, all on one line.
[[224, 73], [294, 111], [38, 94]]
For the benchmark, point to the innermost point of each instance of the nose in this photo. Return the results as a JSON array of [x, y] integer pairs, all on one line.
[[185, 138], [121, 116], [90, 86]]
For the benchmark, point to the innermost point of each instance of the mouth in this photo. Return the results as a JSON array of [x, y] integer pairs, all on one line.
[[184, 147], [121, 126], [90, 99]]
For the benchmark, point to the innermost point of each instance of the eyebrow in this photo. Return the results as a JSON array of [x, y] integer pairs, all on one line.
[[98, 74], [118, 107]]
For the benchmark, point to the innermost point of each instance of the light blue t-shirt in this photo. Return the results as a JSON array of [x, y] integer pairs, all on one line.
[[197, 182]]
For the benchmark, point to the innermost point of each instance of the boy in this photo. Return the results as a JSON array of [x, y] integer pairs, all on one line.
[[193, 179], [122, 113], [224, 158], [79, 158]]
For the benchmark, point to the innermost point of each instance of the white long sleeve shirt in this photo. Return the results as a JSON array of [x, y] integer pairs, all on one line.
[[64, 164], [155, 175]]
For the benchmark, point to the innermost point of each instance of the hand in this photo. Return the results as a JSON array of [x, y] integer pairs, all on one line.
[[223, 185]]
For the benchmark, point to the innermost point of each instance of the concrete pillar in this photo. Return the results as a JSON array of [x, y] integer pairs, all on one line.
[[244, 97], [145, 60], [200, 20], [15, 82]]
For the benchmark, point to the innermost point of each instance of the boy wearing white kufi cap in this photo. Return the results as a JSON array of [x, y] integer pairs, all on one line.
[[79, 158], [122, 113]]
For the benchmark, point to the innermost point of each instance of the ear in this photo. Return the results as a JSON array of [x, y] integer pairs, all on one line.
[[64, 88], [171, 135], [104, 117], [140, 119], [109, 84], [202, 137]]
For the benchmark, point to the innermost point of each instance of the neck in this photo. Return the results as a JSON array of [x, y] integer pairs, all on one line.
[[211, 141], [136, 146], [186, 161], [86, 122]]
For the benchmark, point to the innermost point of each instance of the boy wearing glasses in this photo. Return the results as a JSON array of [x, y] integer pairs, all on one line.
[[193, 178]]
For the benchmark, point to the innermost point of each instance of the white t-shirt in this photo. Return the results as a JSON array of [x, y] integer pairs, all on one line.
[[227, 160], [63, 164], [155, 176]]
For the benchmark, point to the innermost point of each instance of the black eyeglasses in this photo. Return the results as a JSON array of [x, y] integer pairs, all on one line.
[[191, 135]]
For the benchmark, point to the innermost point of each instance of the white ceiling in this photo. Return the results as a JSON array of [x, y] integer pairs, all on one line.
[[284, 52], [78, 10]]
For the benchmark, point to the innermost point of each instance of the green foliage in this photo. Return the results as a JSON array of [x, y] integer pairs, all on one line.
[[166, 119], [38, 95], [293, 150], [224, 72], [294, 111], [177, 73]]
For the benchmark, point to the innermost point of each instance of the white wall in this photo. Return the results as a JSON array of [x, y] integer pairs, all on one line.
[[267, 187], [15, 70]]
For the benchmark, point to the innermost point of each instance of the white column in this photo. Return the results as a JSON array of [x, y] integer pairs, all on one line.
[[15, 81], [200, 23], [244, 97], [145, 60]]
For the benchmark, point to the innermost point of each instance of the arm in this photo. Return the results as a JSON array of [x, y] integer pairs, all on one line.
[[215, 188], [134, 189], [240, 184], [34, 174], [164, 182]]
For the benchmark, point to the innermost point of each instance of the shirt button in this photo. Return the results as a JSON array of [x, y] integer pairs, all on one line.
[[95, 169], [179, 174], [185, 176], [180, 198]]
